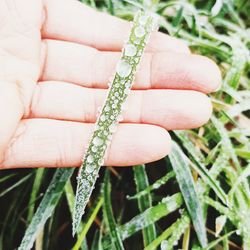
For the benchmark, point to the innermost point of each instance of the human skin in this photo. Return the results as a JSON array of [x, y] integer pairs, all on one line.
[[56, 60]]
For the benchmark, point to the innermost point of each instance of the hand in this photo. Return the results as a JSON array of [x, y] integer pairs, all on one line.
[[56, 58]]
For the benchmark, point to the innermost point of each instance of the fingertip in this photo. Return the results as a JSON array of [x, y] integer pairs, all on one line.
[[142, 143], [213, 79], [203, 111], [162, 143]]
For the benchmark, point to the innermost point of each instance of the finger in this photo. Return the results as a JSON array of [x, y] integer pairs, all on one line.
[[91, 68], [11, 111], [51, 143], [170, 109], [99, 30]]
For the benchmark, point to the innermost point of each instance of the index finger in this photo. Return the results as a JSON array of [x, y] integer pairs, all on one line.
[[73, 21]]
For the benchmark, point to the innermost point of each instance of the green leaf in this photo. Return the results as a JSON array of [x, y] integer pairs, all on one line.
[[108, 213], [185, 180], [156, 185], [144, 202], [89, 221], [35, 189], [148, 217], [15, 185], [199, 166], [173, 233], [151, 215], [46, 207]]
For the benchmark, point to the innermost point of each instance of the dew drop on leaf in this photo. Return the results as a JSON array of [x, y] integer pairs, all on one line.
[[90, 159], [89, 168], [139, 31], [102, 118], [143, 20], [123, 69], [97, 141], [130, 50]]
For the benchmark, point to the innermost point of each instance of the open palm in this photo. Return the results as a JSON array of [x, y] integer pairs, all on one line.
[[56, 58]]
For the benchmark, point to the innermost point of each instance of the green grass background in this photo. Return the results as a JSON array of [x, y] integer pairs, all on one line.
[[162, 204]]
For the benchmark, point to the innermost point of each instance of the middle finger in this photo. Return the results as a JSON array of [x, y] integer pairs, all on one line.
[[88, 67], [170, 109]]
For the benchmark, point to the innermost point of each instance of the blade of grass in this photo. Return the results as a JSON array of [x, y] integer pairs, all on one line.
[[199, 167], [97, 241], [215, 242], [46, 207], [151, 215], [35, 189], [146, 218], [163, 180], [15, 185], [185, 180], [144, 202], [186, 239], [6, 177], [174, 233], [108, 214], [88, 224]]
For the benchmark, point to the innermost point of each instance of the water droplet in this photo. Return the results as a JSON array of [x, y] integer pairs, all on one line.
[[90, 178], [116, 101], [137, 41], [107, 108], [139, 31], [117, 85], [143, 20], [101, 162], [85, 183], [116, 94], [130, 50], [89, 168], [123, 69], [102, 118], [112, 128], [90, 159], [94, 149], [97, 141], [127, 85], [114, 106], [175, 243]]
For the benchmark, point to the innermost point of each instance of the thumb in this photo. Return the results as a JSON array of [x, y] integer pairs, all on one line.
[[11, 111]]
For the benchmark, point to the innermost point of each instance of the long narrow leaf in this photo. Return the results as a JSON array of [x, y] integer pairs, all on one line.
[[144, 202], [187, 186], [35, 189], [108, 213], [199, 166], [149, 216], [46, 207], [174, 232]]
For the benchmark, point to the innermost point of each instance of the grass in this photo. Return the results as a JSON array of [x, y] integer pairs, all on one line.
[[199, 193]]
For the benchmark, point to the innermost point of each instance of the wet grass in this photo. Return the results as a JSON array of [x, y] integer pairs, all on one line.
[[199, 194]]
